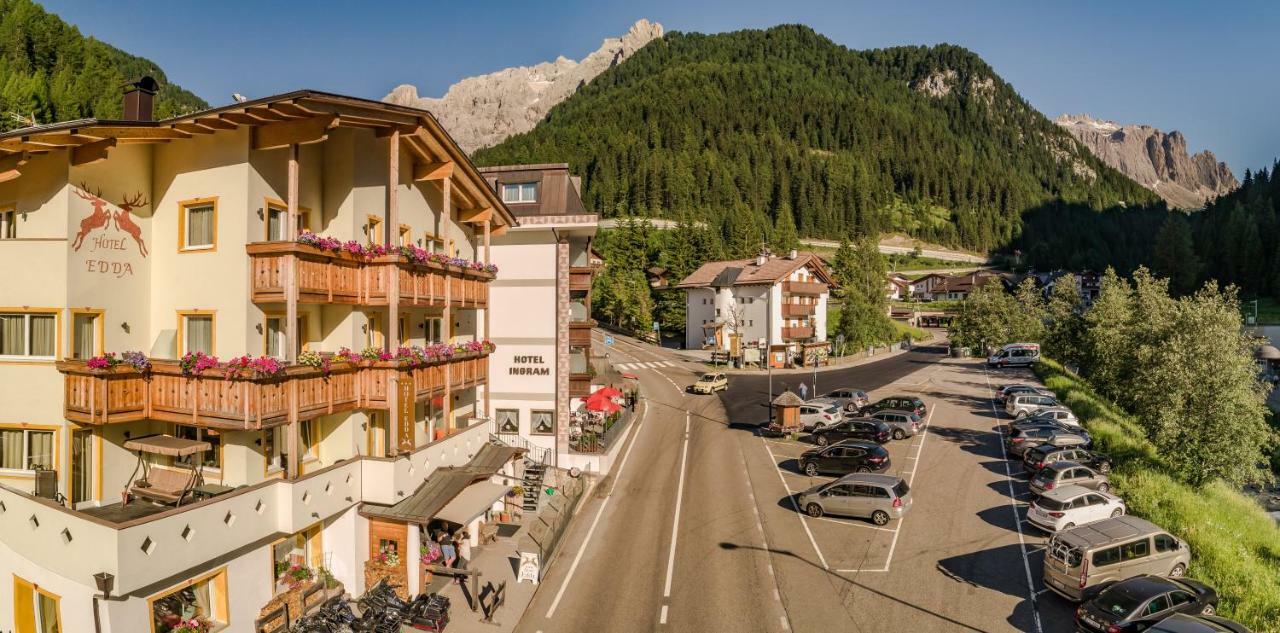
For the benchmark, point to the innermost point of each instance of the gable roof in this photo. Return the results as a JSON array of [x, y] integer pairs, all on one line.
[[442, 485], [745, 272]]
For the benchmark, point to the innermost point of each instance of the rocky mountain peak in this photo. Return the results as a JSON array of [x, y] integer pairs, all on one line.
[[483, 111], [1156, 160]]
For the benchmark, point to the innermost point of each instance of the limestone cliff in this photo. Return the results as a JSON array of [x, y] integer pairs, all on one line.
[[483, 111], [1156, 160]]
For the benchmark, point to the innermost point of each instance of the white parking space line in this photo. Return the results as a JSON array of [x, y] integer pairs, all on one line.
[[911, 479], [635, 437], [790, 495], [662, 618], [675, 523], [1022, 541], [856, 523]]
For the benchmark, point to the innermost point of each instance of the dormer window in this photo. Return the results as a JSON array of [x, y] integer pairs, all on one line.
[[517, 192]]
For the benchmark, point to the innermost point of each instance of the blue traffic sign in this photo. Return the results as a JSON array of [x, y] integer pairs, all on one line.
[[608, 340]]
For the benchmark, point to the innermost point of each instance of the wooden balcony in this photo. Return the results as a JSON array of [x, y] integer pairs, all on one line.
[[580, 333], [799, 310], [579, 385], [797, 332], [806, 288], [327, 277], [216, 400], [580, 277]]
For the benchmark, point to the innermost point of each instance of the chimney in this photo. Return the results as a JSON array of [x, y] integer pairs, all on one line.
[[760, 259], [139, 95], [793, 254]]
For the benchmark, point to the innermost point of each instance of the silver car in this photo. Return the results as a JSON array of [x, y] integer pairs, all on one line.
[[817, 415], [1057, 414], [904, 423], [880, 498], [850, 400], [1021, 405]]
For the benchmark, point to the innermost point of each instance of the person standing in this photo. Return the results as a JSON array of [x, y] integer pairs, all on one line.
[[463, 545], [447, 551], [804, 391]]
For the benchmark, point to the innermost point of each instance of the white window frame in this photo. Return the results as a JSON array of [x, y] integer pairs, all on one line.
[[26, 450], [524, 192], [26, 338]]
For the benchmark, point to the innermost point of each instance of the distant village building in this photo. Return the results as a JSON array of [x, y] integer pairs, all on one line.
[[778, 303]]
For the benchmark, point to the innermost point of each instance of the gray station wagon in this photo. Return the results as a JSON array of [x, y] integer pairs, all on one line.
[[1059, 474], [876, 497]]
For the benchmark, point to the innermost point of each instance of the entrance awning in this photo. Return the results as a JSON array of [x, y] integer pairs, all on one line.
[[472, 502], [444, 485]]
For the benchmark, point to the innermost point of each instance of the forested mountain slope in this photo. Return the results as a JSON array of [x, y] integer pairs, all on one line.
[[761, 130], [50, 72]]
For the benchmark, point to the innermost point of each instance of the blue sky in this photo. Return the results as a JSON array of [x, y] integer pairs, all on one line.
[[1207, 69]]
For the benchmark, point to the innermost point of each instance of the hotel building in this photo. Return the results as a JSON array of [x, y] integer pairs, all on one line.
[[541, 309], [181, 238]]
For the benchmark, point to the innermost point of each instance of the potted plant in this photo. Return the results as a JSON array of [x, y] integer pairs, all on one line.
[[194, 625]]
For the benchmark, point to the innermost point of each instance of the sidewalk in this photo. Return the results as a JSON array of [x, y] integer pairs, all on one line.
[[497, 563]]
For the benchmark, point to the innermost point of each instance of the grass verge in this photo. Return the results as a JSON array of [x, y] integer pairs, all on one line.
[[1235, 545]]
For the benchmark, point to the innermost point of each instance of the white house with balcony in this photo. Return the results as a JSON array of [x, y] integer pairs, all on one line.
[[768, 303]]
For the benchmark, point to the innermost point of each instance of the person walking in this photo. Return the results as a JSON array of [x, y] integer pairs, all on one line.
[[804, 391], [462, 542]]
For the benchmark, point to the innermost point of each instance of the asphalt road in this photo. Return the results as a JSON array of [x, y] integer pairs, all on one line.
[[696, 530]]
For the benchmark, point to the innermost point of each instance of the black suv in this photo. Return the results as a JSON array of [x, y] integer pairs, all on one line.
[[845, 458], [897, 403], [1046, 454], [1139, 602], [855, 429]]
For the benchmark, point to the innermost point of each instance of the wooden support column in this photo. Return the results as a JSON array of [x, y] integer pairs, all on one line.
[[487, 258], [291, 263], [392, 236], [484, 335]]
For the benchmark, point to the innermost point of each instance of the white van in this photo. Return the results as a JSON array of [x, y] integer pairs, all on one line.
[[1015, 355]]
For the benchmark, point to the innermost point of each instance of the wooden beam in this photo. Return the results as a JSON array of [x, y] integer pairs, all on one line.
[[241, 118], [193, 128], [215, 123], [496, 231], [356, 112], [91, 152], [404, 131], [432, 171], [9, 166], [296, 132], [266, 114], [475, 216], [17, 145], [292, 109], [133, 132], [56, 140]]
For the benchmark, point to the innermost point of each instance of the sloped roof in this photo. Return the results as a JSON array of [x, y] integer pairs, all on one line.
[[787, 399], [442, 485], [745, 272]]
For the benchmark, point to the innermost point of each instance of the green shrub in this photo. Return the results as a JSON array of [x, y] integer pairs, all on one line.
[[1235, 545]]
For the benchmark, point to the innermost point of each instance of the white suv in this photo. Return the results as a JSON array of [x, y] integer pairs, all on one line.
[[1020, 405], [1066, 507]]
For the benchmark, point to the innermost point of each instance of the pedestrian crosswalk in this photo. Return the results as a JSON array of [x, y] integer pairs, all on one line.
[[647, 365]]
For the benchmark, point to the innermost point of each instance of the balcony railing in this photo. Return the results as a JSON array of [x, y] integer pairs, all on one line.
[[328, 277], [580, 385], [580, 277], [798, 309], [807, 288], [797, 332], [215, 399], [580, 334]]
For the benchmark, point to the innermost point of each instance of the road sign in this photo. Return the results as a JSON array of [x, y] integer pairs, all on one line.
[[608, 340], [655, 326]]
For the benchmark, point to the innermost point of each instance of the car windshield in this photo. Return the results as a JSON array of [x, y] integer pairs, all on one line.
[[831, 409], [901, 488], [708, 377], [1117, 602], [1052, 505], [914, 417]]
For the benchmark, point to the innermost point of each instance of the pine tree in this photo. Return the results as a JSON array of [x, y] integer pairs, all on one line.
[[1175, 257], [784, 230]]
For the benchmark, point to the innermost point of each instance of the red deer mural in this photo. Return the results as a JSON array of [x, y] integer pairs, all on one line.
[[96, 220], [101, 217], [124, 220]]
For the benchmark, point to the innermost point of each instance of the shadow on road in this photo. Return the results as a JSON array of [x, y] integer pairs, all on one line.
[[1002, 517], [958, 625]]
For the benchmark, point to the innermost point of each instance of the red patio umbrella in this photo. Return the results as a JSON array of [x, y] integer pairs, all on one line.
[[608, 392], [603, 405]]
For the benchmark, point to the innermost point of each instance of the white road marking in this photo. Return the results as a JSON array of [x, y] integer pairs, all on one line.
[[911, 479], [1022, 541], [796, 506], [596, 521], [675, 523], [855, 523], [662, 619], [764, 540]]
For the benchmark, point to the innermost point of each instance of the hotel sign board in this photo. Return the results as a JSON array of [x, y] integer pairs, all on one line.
[[404, 412]]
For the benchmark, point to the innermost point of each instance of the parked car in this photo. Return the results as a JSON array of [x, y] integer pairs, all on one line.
[[1061, 415], [1009, 390], [710, 383], [1047, 454], [1023, 440], [849, 400], [1065, 507], [1040, 423], [1078, 560], [1137, 603], [845, 458], [1183, 623], [904, 424], [880, 498], [1062, 474], [815, 415], [1021, 405], [897, 403], [869, 429], [1015, 355]]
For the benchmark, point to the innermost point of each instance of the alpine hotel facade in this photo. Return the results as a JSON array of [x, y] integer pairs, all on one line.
[[241, 233]]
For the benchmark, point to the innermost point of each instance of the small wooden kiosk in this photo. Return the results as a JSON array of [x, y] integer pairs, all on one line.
[[786, 414]]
